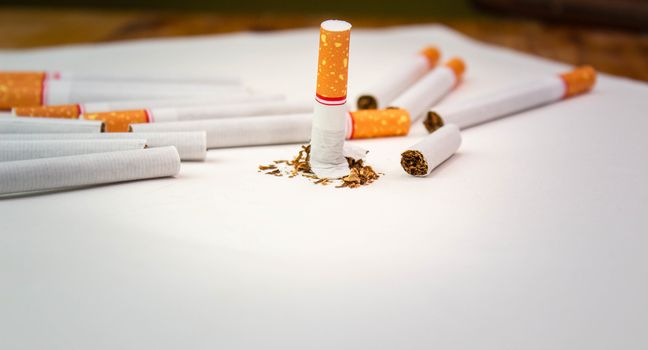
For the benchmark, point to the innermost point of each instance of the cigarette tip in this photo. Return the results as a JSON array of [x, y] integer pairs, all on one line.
[[432, 55], [457, 65], [579, 80]]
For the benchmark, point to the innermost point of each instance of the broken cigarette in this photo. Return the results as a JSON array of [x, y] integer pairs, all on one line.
[[76, 110], [87, 169], [191, 145], [330, 113], [398, 79], [434, 149], [119, 121], [49, 125], [15, 93], [33, 149], [512, 100]]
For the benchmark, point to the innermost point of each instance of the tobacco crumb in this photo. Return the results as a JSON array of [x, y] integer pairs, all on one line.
[[367, 102], [414, 163], [359, 175], [432, 121]]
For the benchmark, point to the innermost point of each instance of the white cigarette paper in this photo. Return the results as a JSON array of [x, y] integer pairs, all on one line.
[[426, 92], [21, 150], [243, 131], [88, 169], [49, 125], [229, 110], [434, 149], [396, 80], [204, 77], [57, 92], [191, 145]]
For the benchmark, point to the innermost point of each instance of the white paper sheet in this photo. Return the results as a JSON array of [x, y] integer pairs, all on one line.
[[531, 237]]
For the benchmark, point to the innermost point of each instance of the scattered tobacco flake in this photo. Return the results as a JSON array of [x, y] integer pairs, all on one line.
[[359, 175]]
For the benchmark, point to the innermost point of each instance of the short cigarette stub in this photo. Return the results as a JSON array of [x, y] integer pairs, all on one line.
[[119, 121], [333, 62], [378, 123], [579, 80], [399, 79], [434, 149], [71, 111], [17, 93]]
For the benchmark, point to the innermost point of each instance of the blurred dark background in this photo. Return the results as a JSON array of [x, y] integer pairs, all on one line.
[[609, 34]]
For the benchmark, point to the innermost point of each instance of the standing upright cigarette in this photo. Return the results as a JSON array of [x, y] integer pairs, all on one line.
[[47, 125], [33, 149], [434, 149], [76, 110], [135, 77], [330, 112], [398, 79], [57, 92], [514, 99], [87, 169], [191, 145], [119, 121]]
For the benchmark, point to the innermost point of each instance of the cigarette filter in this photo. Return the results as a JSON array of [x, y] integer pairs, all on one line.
[[48, 125], [21, 150], [427, 91], [87, 169], [330, 112], [434, 149], [396, 80], [76, 110], [244, 131], [191, 145], [119, 120], [512, 100], [370, 123], [57, 92], [138, 77]]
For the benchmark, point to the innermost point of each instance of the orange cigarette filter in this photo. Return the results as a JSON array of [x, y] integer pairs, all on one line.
[[579, 80], [457, 65], [119, 121], [16, 93], [60, 111], [432, 54], [369, 123], [23, 76], [333, 65]]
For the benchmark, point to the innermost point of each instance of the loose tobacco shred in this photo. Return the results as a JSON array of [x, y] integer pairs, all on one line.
[[414, 163], [359, 175]]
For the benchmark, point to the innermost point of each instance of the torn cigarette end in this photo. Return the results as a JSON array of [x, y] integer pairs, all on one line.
[[432, 55], [371, 123], [71, 111], [119, 121], [432, 121], [413, 162], [579, 80]]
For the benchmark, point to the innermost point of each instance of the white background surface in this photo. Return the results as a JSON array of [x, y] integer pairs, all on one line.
[[532, 237]]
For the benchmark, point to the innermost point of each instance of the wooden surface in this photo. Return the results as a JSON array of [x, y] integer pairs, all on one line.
[[616, 52]]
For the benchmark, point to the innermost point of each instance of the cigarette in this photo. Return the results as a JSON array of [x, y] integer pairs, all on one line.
[[396, 80], [118, 121], [48, 125], [87, 169], [191, 145], [330, 113], [21, 150], [244, 131], [57, 92], [512, 100], [76, 110], [136, 77], [427, 91], [370, 123], [434, 149]]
